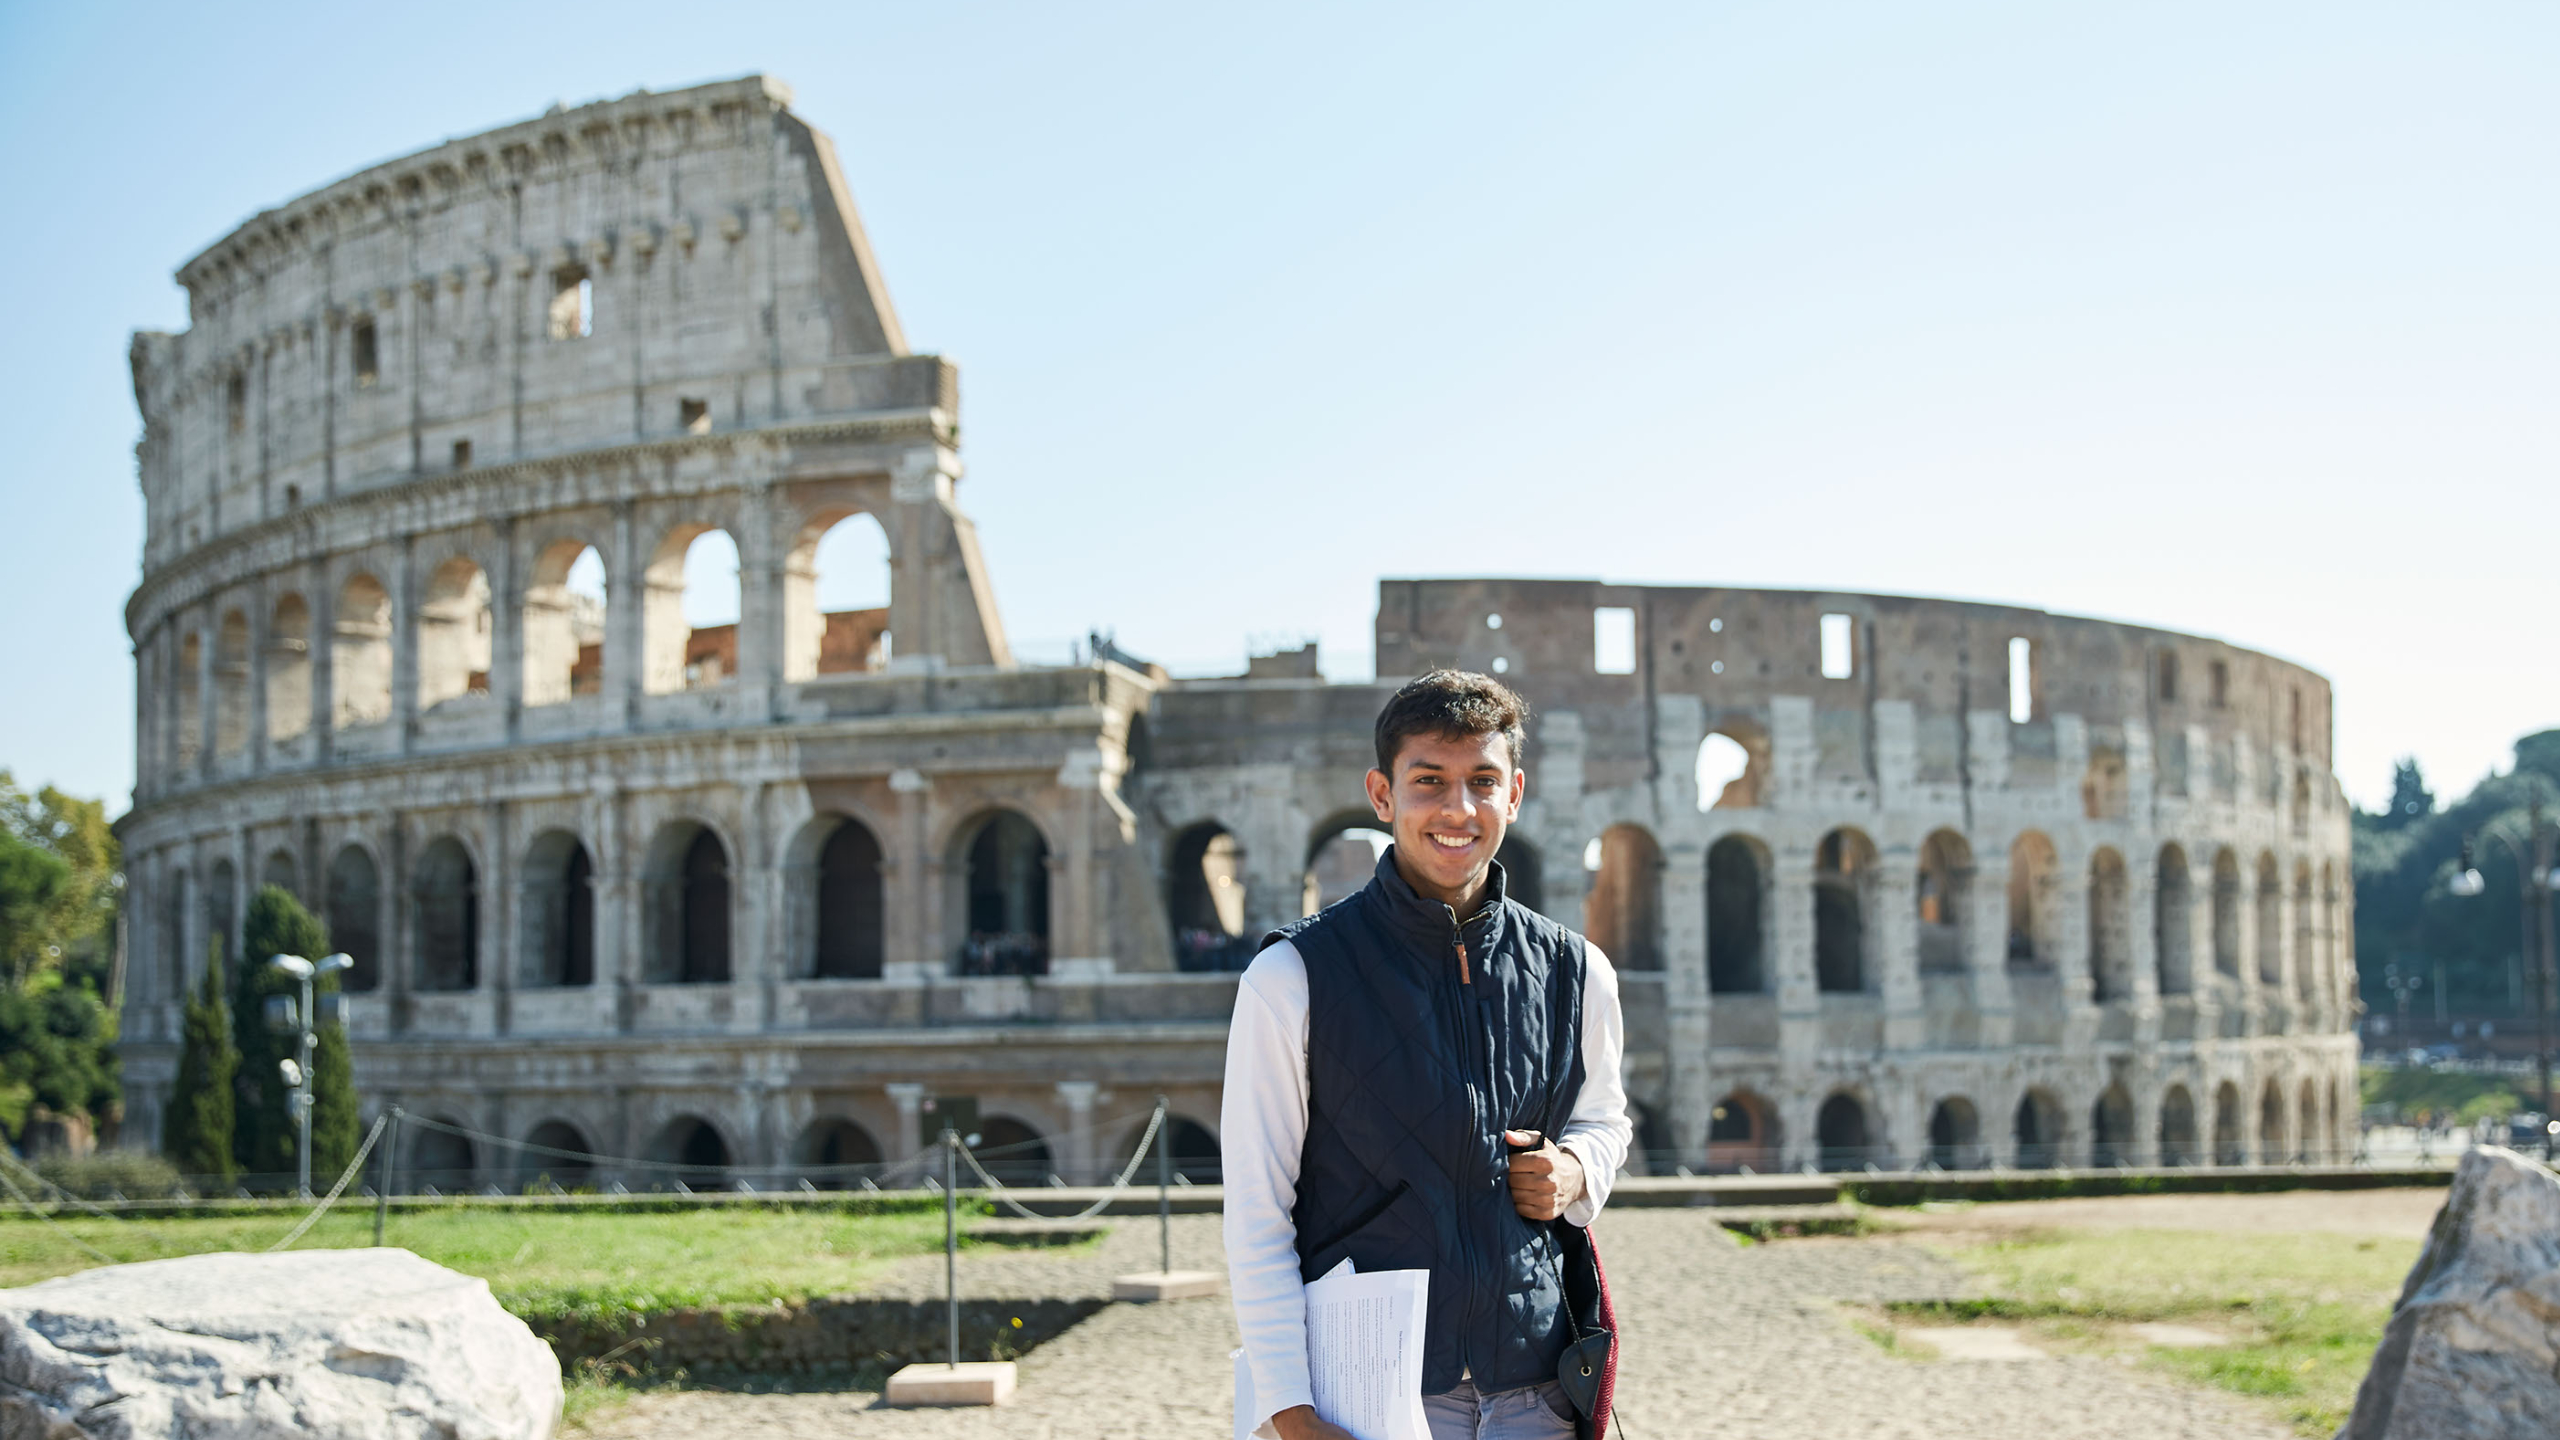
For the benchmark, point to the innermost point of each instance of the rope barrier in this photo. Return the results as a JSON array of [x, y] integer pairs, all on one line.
[[31, 1173], [997, 1190], [33, 1209], [344, 1176]]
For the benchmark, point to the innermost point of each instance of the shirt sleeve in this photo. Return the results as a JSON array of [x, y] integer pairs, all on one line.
[[1598, 1132], [1262, 1125]]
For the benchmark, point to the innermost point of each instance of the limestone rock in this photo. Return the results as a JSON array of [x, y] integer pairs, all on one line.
[[2473, 1348], [377, 1344]]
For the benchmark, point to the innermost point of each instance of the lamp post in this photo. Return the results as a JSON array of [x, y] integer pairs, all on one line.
[[283, 1015], [2536, 879]]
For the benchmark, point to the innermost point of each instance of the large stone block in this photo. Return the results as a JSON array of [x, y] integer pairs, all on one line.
[[311, 1343], [2473, 1348]]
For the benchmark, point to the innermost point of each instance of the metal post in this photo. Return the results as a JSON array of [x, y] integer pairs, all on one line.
[[951, 1233], [2537, 903], [382, 1175], [1164, 1191], [303, 1096]]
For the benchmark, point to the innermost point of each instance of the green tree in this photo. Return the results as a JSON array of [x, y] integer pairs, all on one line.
[[195, 1131], [265, 1137], [58, 894], [2405, 910]]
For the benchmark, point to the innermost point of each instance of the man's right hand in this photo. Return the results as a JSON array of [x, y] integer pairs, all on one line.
[[1301, 1422]]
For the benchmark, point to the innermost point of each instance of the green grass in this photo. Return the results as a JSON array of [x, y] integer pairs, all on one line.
[[2448, 1093], [2304, 1312], [538, 1263]]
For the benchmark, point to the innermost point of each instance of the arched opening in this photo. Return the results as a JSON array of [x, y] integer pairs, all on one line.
[[1733, 766], [283, 872], [188, 749], [2110, 928], [441, 1160], [2038, 1128], [1940, 893], [834, 1153], [689, 1142], [685, 896], [289, 669], [851, 930], [231, 685], [360, 654], [1955, 1135], [446, 890], [1204, 899], [1736, 884], [1341, 858], [1013, 1152], [835, 598], [2270, 935], [2178, 1127], [2172, 925], [1195, 1152], [2035, 901], [564, 624], [570, 1171], [1840, 1130], [2226, 914], [1843, 877], [2111, 1129], [2272, 1149], [2306, 983], [453, 634], [559, 907], [2308, 1143], [1622, 914], [355, 915], [1740, 1134], [1005, 898], [1524, 873], [689, 623], [2229, 1145]]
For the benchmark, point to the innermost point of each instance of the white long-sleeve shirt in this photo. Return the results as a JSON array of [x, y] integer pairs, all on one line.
[[1263, 1131]]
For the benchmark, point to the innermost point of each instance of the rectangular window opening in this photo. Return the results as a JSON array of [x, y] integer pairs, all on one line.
[[2297, 719], [2221, 674], [365, 354], [1839, 648], [573, 303], [2022, 680], [239, 402], [1613, 639], [2168, 677], [461, 454], [693, 417]]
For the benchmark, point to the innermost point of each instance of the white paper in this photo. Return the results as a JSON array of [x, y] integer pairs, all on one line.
[[1364, 1355]]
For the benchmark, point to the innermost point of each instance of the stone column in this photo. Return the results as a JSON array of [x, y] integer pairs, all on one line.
[[500, 919], [208, 696], [1894, 948], [1071, 891], [506, 629], [262, 614], [755, 967], [323, 600], [625, 616], [907, 885], [2146, 1088], [760, 604], [1689, 1034], [404, 651], [1787, 925], [1078, 1097], [909, 1141]]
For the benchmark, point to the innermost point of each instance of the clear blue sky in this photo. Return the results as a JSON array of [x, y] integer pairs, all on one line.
[[2238, 320]]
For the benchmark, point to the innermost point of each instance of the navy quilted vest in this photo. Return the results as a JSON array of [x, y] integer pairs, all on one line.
[[1412, 1076]]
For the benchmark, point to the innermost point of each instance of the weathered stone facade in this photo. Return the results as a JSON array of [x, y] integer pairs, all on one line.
[[619, 884]]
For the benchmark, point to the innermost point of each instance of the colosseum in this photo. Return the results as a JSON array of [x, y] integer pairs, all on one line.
[[448, 465]]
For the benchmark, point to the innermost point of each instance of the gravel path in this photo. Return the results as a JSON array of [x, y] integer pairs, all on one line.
[[1721, 1340]]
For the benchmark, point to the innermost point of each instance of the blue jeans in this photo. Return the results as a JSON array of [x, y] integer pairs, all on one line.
[[1532, 1412]]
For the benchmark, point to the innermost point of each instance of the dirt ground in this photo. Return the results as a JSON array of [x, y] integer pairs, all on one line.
[[2403, 1214]]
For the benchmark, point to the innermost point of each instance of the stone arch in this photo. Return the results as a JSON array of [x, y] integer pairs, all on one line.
[[2270, 928], [288, 668], [2230, 1142], [2309, 1145], [847, 905], [2111, 1128], [1942, 894], [558, 906], [1204, 898], [2172, 922], [2110, 927], [2041, 1128], [1844, 879], [2272, 1149], [566, 609], [444, 896], [2035, 901], [834, 620], [360, 654], [231, 685], [440, 1159], [354, 908], [187, 743], [2306, 982], [1622, 914], [835, 1153], [681, 588], [1524, 871], [556, 1134], [698, 1154], [1196, 1156], [2178, 1144], [1002, 874], [1733, 766], [1014, 1151], [1955, 1134], [2226, 913], [1737, 899], [281, 870], [1342, 853], [1844, 1132], [454, 633], [687, 898], [1742, 1133]]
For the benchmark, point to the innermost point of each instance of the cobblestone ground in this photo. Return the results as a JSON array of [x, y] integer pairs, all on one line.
[[1721, 1340]]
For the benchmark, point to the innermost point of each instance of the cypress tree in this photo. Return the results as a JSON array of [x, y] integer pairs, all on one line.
[[266, 1135], [195, 1131], [334, 1132]]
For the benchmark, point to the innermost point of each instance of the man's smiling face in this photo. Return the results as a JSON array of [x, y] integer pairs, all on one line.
[[1448, 805]]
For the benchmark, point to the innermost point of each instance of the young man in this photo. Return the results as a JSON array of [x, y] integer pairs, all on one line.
[[1385, 1058]]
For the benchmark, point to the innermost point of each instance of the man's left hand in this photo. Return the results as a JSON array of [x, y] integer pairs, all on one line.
[[1543, 1181]]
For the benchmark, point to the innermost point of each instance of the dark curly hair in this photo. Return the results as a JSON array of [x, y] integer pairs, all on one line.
[[1452, 704]]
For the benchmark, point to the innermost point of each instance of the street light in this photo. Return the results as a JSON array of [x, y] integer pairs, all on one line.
[[2537, 877], [282, 1014]]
